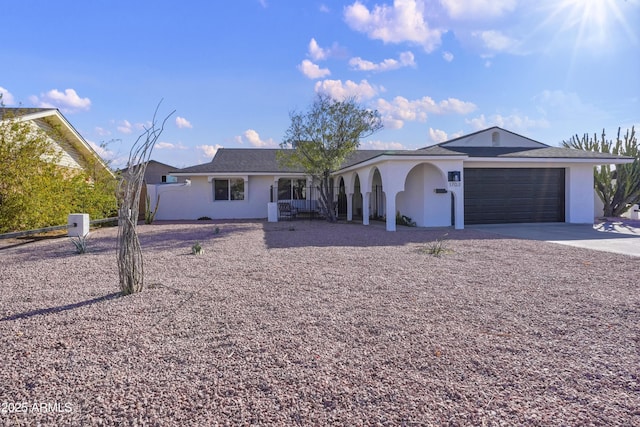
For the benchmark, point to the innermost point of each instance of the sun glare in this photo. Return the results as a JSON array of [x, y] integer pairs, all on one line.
[[592, 22]]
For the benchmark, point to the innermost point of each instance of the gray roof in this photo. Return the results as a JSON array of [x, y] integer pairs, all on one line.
[[261, 160], [264, 160], [234, 160], [547, 152]]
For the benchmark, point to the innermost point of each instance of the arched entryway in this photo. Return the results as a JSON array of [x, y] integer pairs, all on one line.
[[426, 198], [342, 199], [356, 199], [377, 201]]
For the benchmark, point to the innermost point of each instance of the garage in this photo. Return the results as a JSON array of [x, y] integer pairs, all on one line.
[[514, 195]]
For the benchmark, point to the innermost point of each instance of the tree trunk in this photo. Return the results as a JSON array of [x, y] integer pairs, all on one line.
[[326, 198]]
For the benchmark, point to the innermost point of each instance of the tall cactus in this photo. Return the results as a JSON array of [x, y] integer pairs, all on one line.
[[618, 187]]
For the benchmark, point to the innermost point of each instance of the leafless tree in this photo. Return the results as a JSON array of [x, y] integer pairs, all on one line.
[[130, 263]]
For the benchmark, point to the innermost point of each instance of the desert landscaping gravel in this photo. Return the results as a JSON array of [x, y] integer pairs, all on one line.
[[310, 323]]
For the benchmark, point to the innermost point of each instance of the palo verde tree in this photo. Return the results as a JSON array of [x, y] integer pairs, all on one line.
[[321, 139], [618, 187], [130, 262], [35, 190]]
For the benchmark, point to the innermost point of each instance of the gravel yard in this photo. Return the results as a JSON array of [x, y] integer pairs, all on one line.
[[309, 323]]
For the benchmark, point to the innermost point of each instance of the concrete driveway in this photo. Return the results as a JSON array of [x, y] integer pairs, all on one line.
[[613, 236]]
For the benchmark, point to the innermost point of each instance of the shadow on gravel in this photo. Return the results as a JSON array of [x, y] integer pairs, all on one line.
[[184, 237], [51, 310], [297, 234], [20, 241]]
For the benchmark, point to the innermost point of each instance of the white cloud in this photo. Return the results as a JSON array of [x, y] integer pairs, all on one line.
[[103, 152], [437, 135], [209, 150], [340, 91], [324, 8], [313, 71], [182, 123], [67, 101], [316, 52], [478, 9], [253, 138], [380, 145], [495, 41], [125, 127], [406, 59], [402, 22], [448, 56], [7, 97], [101, 131], [454, 105], [514, 122], [400, 109], [170, 146], [263, 3]]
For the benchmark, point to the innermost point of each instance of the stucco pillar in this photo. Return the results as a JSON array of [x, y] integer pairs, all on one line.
[[459, 207], [390, 207], [349, 206], [274, 191], [365, 207]]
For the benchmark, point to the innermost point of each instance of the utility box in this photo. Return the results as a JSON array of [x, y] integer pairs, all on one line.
[[272, 212], [634, 212], [78, 225]]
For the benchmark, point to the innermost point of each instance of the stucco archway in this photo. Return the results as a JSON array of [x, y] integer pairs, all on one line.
[[425, 198]]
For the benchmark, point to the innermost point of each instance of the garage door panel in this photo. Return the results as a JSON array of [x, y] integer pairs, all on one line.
[[503, 195]]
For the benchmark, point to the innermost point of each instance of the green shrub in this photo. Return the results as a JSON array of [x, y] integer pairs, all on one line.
[[197, 249], [80, 243], [150, 215], [404, 220], [437, 248]]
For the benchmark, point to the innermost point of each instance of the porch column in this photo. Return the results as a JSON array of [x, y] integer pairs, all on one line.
[[349, 206], [458, 197], [365, 207], [390, 207], [274, 191]]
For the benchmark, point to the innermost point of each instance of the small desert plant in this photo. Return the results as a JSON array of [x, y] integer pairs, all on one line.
[[437, 248], [80, 242], [216, 230], [150, 215], [204, 218], [404, 220], [196, 249]]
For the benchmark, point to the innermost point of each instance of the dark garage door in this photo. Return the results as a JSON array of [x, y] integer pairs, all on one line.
[[502, 195]]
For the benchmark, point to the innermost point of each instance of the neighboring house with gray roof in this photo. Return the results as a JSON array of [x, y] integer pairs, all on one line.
[[490, 176]]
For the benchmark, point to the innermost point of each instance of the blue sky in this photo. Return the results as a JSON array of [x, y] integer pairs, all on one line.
[[233, 71]]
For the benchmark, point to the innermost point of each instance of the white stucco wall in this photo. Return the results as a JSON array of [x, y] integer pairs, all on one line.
[[598, 206], [182, 202], [579, 195], [420, 201]]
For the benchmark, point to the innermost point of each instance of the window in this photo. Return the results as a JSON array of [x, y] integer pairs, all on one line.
[[228, 189], [169, 179], [292, 189]]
